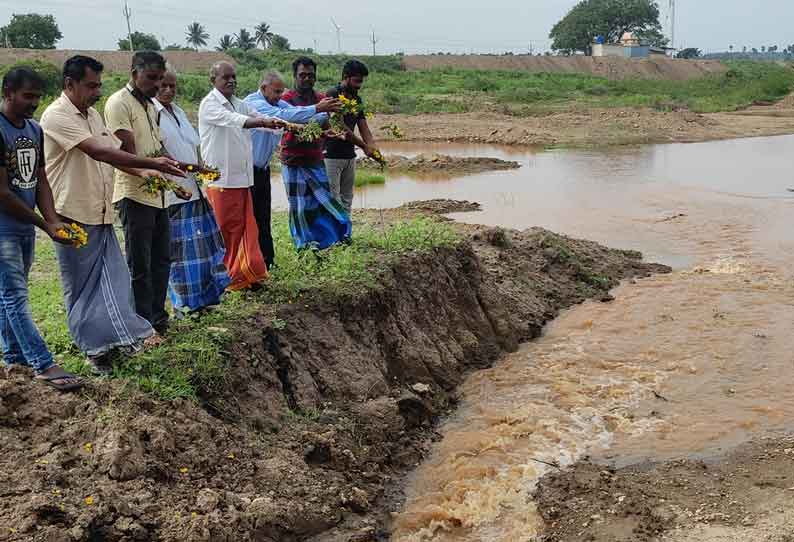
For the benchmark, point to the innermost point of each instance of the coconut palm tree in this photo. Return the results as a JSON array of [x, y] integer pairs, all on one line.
[[244, 40], [197, 36], [263, 35], [225, 43]]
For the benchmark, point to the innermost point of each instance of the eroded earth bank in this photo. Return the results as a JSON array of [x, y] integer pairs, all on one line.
[[324, 406]]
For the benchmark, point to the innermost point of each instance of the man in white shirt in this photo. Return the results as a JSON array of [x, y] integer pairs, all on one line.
[[224, 124], [198, 275]]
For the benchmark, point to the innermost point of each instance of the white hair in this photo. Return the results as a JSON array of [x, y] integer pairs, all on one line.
[[270, 77], [217, 67]]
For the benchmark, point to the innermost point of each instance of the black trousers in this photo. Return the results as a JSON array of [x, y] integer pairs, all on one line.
[[147, 240], [260, 193]]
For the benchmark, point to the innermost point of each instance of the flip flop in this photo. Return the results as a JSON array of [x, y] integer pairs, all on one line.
[[50, 381]]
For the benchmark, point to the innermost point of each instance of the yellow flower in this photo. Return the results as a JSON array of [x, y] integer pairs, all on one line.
[[154, 185], [88, 447], [183, 470], [89, 500], [74, 233], [230, 456]]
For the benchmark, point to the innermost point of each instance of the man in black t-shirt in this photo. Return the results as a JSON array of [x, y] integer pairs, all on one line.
[[340, 155]]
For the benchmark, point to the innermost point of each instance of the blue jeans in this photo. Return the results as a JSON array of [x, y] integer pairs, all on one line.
[[21, 341]]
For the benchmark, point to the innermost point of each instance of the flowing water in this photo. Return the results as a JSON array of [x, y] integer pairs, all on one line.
[[685, 364]]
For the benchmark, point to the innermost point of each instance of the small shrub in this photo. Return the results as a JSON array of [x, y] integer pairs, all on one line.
[[49, 72]]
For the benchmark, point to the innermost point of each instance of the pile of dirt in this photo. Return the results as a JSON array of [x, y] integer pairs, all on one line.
[[441, 164], [745, 495], [609, 67], [442, 206], [116, 61], [321, 413]]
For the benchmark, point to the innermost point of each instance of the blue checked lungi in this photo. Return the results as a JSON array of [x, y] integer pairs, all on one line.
[[198, 276], [316, 219]]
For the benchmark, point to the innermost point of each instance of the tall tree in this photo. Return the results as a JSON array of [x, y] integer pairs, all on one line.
[[225, 43], [196, 35], [31, 31], [140, 41], [244, 40], [279, 43], [263, 35], [608, 18]]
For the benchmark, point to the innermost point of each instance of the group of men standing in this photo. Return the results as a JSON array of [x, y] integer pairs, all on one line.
[[192, 244]]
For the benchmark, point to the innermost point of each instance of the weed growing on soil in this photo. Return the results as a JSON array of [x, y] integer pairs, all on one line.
[[192, 358]]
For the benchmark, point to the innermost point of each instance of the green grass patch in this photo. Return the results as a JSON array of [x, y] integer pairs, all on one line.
[[193, 358], [348, 269], [366, 177]]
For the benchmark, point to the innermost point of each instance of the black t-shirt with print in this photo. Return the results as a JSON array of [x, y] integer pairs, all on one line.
[[335, 148]]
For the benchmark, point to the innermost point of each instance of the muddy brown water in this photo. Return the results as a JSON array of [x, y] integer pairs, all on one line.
[[686, 364]]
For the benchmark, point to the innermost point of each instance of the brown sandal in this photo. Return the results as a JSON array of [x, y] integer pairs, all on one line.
[[52, 381]]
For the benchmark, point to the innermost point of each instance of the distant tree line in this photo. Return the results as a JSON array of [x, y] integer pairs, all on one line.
[[36, 31], [771, 52], [196, 37]]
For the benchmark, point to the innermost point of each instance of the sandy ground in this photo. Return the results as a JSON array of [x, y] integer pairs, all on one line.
[[593, 127], [743, 496]]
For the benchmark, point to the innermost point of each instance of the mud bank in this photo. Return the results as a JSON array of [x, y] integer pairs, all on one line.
[[593, 127], [324, 406], [441, 165], [745, 495]]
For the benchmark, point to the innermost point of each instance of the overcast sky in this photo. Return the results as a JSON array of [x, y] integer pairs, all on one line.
[[412, 26]]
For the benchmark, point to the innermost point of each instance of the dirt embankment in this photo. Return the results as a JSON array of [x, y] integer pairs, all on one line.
[[744, 496], [323, 408], [594, 127], [115, 61], [609, 67], [441, 164]]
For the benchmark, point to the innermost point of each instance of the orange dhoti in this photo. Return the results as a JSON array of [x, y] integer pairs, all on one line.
[[234, 211]]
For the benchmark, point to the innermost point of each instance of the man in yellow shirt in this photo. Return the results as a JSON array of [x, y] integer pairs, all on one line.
[[80, 152], [132, 117]]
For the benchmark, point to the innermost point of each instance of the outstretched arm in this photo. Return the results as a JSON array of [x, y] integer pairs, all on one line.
[[125, 161], [215, 114]]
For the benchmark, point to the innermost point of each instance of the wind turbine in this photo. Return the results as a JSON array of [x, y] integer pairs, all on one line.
[[338, 35], [672, 24]]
